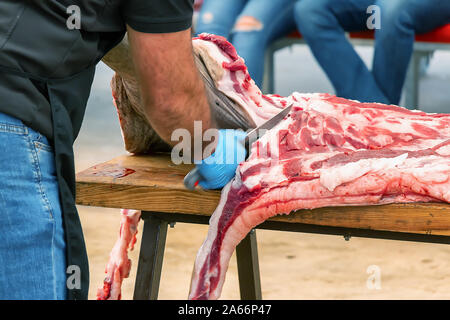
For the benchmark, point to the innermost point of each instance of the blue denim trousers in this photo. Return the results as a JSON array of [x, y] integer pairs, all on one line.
[[323, 23], [32, 244], [275, 17]]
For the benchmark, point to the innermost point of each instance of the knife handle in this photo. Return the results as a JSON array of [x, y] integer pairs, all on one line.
[[192, 179]]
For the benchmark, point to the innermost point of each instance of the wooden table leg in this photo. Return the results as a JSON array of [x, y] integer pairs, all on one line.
[[150, 258], [248, 268]]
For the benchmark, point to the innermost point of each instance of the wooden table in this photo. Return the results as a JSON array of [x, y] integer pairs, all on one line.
[[154, 185]]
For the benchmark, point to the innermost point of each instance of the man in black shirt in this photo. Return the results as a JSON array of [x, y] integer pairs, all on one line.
[[48, 53]]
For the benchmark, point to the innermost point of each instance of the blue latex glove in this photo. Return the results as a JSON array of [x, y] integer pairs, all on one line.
[[219, 168]]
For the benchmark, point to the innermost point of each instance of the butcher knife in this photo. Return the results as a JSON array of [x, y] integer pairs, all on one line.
[[192, 179], [226, 112]]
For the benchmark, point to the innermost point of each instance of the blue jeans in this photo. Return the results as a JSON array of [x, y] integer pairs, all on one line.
[[323, 23], [32, 244], [275, 17]]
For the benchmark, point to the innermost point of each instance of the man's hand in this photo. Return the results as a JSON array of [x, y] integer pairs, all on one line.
[[219, 168], [172, 90]]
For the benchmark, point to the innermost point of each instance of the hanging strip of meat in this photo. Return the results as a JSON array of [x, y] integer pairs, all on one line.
[[119, 265]]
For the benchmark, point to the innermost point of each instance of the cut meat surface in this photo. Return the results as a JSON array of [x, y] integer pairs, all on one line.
[[119, 265], [328, 151]]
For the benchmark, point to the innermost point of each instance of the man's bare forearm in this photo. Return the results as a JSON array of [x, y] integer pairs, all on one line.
[[171, 88]]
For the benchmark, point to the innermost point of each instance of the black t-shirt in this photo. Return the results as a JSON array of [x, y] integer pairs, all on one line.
[[158, 16], [42, 38]]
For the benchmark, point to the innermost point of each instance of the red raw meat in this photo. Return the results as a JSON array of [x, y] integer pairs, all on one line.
[[328, 151], [119, 265]]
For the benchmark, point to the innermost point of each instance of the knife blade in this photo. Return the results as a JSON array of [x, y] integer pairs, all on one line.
[[192, 179], [261, 130], [227, 113]]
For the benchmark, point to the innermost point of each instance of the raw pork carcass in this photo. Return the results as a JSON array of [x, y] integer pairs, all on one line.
[[328, 151]]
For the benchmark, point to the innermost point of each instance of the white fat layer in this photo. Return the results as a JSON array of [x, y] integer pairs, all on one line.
[[431, 174], [444, 151], [302, 96], [333, 177], [322, 106], [431, 169], [213, 51], [273, 175]]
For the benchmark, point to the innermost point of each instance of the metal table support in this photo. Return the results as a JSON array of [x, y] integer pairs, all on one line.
[[152, 253], [248, 268], [150, 258]]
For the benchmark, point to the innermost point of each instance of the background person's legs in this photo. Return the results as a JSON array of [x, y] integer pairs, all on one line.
[[260, 23], [394, 41], [323, 24], [218, 16], [32, 245]]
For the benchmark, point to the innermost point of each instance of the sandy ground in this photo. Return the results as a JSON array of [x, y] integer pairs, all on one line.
[[293, 265]]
